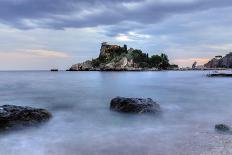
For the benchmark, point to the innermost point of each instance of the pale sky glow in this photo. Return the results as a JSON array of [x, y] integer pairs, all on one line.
[[40, 35], [46, 53]]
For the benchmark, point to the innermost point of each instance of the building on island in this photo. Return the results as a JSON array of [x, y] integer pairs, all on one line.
[[218, 57], [106, 49]]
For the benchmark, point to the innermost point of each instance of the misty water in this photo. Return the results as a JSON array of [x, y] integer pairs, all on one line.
[[82, 123]]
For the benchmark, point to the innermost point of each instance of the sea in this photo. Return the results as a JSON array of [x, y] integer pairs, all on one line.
[[83, 124]]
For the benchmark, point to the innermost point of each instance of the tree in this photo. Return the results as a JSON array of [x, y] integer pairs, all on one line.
[[165, 61], [139, 56], [155, 61], [164, 57], [96, 62], [147, 56], [125, 48]]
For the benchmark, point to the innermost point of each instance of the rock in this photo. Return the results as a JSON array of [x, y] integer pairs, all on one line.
[[11, 115], [214, 63], [134, 105], [219, 75], [220, 62], [222, 127], [118, 63], [85, 66]]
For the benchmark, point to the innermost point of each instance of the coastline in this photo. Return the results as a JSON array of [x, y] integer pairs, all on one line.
[[149, 70]]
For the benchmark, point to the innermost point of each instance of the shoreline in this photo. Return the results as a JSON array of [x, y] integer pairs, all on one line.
[[148, 70]]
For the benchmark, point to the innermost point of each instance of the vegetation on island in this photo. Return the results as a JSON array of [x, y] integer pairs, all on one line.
[[114, 57], [142, 60]]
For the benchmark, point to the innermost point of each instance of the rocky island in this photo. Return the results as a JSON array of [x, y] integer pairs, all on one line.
[[117, 58], [220, 62]]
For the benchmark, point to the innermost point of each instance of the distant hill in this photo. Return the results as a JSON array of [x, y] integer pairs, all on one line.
[[116, 58], [220, 62]]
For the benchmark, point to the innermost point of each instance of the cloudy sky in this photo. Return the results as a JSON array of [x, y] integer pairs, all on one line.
[[44, 34]]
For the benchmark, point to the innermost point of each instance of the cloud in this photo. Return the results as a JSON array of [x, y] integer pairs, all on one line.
[[21, 60], [60, 14], [225, 47], [131, 36], [123, 38], [47, 53], [71, 30]]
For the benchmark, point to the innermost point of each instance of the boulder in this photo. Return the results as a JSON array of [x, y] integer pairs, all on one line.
[[11, 115], [134, 105], [222, 127]]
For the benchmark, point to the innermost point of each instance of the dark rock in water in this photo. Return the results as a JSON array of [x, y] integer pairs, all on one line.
[[134, 105], [54, 70], [11, 115], [222, 127], [220, 75]]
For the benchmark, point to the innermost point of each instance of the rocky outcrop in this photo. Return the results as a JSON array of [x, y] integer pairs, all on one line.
[[227, 61], [220, 62], [11, 116], [223, 128], [134, 105], [214, 63], [118, 63], [85, 66]]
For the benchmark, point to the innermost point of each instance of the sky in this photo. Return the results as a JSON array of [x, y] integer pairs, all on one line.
[[45, 34]]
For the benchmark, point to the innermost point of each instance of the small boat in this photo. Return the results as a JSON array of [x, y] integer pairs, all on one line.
[[54, 70]]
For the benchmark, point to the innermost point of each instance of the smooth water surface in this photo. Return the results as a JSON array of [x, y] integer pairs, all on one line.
[[82, 123]]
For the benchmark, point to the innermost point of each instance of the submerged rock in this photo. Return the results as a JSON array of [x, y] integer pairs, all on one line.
[[223, 128], [11, 115], [134, 105]]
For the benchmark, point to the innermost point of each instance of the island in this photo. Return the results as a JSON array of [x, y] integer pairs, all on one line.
[[117, 58], [220, 62]]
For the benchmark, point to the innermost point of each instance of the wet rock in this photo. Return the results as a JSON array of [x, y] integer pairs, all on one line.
[[223, 128], [11, 116], [134, 105]]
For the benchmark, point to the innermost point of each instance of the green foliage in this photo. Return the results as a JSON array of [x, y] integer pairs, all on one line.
[[119, 51], [138, 56], [96, 62], [144, 65], [164, 57], [102, 59], [155, 61], [165, 61], [161, 62], [114, 52], [125, 48]]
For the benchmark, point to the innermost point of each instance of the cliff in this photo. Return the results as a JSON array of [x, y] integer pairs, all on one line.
[[220, 62], [116, 58]]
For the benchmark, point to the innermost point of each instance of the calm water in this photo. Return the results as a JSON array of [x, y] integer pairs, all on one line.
[[83, 124]]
